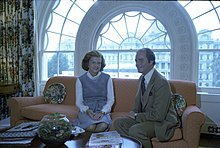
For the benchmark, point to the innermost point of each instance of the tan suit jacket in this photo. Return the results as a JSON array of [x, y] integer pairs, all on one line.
[[155, 105]]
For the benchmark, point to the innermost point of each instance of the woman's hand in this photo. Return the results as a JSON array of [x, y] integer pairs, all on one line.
[[90, 113], [98, 116], [95, 116]]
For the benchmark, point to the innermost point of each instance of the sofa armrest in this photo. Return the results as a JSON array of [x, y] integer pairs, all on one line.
[[192, 120], [17, 103]]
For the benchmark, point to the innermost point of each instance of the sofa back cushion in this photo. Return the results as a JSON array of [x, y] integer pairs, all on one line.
[[125, 92], [70, 84], [185, 88]]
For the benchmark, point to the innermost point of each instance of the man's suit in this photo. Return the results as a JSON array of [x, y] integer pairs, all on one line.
[[156, 116]]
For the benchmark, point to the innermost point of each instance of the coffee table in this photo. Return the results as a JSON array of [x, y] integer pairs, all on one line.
[[80, 142]]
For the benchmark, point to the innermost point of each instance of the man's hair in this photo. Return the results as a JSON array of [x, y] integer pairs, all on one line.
[[87, 57], [150, 55]]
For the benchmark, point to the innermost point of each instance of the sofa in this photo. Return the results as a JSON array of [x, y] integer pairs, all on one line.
[[23, 109]]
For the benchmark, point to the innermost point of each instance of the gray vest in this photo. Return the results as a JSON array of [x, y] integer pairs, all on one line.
[[94, 91]]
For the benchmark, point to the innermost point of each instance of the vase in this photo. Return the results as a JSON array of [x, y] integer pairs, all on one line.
[[54, 129]]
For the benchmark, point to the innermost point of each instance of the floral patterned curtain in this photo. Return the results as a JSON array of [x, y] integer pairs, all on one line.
[[17, 45]]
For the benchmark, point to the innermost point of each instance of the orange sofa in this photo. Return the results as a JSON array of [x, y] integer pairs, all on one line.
[[24, 109]]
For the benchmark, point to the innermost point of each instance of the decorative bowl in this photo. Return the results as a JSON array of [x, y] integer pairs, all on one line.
[[54, 129]]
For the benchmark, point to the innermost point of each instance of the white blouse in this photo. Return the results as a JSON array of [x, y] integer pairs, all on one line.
[[79, 96]]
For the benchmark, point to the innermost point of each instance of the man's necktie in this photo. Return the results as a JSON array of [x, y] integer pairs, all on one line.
[[143, 85]]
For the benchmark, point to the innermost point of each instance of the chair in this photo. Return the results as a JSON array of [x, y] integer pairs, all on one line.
[[192, 119]]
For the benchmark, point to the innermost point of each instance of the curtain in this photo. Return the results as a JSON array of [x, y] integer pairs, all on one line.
[[17, 46]]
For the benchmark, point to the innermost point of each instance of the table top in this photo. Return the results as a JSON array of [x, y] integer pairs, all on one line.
[[7, 88], [80, 142]]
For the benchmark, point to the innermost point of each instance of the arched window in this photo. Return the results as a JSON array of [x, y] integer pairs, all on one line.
[[206, 18], [61, 22], [127, 32]]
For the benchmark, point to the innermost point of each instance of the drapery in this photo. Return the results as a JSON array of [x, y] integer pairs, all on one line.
[[17, 46]]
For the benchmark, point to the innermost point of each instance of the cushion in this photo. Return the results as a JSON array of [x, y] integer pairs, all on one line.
[[179, 103], [177, 136], [55, 93], [36, 112]]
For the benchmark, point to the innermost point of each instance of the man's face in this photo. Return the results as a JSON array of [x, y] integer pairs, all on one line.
[[142, 64]]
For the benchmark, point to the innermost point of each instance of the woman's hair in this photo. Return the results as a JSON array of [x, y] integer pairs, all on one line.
[[87, 57]]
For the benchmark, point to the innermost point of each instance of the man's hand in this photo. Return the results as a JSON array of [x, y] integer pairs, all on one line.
[[132, 114]]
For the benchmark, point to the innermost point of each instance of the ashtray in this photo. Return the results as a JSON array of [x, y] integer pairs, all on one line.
[[77, 130]]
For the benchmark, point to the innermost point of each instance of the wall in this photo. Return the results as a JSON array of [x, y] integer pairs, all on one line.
[[210, 104]]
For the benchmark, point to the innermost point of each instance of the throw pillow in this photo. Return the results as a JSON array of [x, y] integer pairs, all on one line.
[[55, 93], [179, 103]]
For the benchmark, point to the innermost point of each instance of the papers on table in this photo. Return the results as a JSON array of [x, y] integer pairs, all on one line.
[[112, 139]]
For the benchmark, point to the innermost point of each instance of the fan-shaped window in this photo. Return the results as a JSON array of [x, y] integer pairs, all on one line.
[[124, 34]]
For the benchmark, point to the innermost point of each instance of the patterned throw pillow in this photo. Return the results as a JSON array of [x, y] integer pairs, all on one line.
[[55, 93], [179, 103]]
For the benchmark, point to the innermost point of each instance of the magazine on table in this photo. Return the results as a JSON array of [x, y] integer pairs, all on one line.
[[112, 139], [23, 134]]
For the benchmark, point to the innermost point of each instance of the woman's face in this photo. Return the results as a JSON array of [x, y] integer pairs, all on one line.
[[94, 65]]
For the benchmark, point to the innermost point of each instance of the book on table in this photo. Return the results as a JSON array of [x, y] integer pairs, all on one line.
[[23, 134], [111, 138]]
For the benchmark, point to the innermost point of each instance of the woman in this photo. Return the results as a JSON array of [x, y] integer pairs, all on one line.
[[94, 94]]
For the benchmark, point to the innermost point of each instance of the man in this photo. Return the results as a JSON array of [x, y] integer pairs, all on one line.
[[153, 114]]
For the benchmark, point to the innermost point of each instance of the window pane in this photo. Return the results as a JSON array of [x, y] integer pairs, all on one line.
[[197, 8], [63, 7], [104, 44], [209, 69], [131, 19], [209, 17], [163, 63], [120, 64], [67, 43], [70, 28], [76, 18], [111, 60], [66, 64], [207, 40], [57, 23], [85, 4], [127, 67], [53, 42], [49, 66], [52, 60]]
